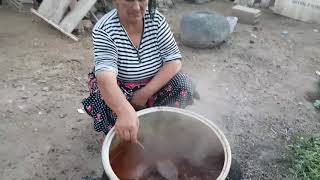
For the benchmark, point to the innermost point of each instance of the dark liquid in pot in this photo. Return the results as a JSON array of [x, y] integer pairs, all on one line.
[[131, 162]]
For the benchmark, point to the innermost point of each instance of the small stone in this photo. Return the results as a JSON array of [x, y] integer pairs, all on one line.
[[15, 85], [42, 81], [316, 30], [35, 130], [163, 10], [87, 25], [253, 35], [92, 172], [64, 171], [81, 111], [46, 89], [255, 28], [79, 29], [90, 148], [21, 107], [48, 149], [75, 129], [24, 97], [100, 15], [284, 33], [79, 120], [62, 116], [40, 112]]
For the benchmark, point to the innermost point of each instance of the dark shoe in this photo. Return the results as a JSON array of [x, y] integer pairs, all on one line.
[[235, 171], [104, 176]]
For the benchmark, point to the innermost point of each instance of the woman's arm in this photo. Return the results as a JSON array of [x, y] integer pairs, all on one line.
[[166, 73], [106, 68], [127, 123]]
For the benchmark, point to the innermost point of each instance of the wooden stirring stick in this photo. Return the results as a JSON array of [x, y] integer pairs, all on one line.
[[139, 143]]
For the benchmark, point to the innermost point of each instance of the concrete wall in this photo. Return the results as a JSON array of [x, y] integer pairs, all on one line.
[[304, 10], [256, 3]]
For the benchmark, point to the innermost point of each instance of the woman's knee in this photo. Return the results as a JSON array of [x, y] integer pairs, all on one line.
[[182, 81]]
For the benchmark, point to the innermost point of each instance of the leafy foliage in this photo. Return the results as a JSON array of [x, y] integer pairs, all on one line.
[[305, 158]]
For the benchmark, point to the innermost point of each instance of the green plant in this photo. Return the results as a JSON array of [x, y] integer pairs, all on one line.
[[305, 158], [316, 104]]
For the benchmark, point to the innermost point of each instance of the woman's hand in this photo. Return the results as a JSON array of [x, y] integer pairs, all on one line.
[[140, 98], [168, 71], [127, 125]]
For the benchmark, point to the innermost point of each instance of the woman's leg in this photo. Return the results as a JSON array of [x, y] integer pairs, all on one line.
[[102, 115], [178, 92]]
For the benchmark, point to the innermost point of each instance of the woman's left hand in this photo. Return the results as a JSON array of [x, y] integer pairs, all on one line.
[[139, 99]]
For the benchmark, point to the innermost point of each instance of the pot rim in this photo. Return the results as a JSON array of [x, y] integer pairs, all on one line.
[[225, 144]]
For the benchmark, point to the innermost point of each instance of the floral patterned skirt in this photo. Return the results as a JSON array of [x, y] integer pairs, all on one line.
[[178, 92]]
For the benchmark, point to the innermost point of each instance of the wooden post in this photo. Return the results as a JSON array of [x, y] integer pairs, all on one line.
[[54, 25], [55, 13], [54, 10], [73, 18]]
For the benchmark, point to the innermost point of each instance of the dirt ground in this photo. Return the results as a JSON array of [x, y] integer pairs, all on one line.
[[254, 92]]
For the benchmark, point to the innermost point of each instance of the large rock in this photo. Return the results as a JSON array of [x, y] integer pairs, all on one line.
[[164, 4], [204, 29], [198, 1], [249, 3]]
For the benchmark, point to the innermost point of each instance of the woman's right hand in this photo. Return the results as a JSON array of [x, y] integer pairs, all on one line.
[[127, 125]]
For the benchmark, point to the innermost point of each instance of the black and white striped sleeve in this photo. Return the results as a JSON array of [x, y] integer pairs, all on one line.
[[168, 47], [105, 52]]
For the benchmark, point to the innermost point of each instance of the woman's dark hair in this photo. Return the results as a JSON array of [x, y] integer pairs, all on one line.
[[152, 6]]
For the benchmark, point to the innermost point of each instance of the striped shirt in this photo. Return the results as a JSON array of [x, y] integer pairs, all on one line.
[[114, 51]]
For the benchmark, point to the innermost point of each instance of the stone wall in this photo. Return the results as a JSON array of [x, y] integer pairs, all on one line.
[[256, 3], [164, 4]]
